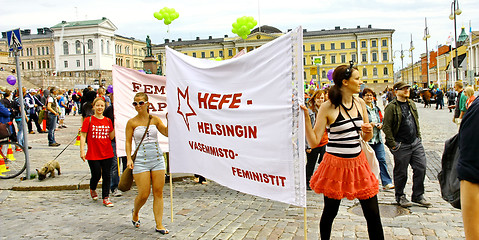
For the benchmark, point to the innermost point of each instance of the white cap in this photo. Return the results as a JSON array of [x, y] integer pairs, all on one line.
[[32, 91]]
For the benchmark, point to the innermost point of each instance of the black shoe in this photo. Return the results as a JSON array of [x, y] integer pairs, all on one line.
[[41, 131], [54, 144], [403, 202], [422, 202]]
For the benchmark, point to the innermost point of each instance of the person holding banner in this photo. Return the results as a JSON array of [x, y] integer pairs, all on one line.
[[149, 167], [315, 153], [344, 171]]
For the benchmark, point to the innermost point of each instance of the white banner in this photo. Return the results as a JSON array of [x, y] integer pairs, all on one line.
[[126, 83], [238, 121]]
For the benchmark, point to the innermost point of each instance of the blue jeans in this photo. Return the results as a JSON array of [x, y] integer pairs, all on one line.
[[115, 178], [383, 166], [51, 125], [20, 138]]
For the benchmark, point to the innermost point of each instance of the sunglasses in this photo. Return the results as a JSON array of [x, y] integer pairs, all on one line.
[[141, 103], [347, 73]]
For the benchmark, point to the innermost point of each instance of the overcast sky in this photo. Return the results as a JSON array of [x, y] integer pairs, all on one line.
[[203, 18]]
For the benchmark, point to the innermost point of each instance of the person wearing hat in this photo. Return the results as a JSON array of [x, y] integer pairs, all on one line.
[[403, 138], [32, 103]]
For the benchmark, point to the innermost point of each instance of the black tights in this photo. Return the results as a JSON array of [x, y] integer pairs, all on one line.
[[100, 169], [370, 210]]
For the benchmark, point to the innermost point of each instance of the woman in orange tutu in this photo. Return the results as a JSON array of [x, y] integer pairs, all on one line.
[[344, 171]]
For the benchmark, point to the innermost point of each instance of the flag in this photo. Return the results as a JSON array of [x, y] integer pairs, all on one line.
[[238, 121], [126, 83]]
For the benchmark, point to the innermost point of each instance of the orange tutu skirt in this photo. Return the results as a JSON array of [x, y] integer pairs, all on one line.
[[350, 178]]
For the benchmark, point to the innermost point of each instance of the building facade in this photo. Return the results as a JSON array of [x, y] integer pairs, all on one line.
[[370, 49], [129, 52]]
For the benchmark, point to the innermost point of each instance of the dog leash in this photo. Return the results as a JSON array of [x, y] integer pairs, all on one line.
[[65, 148]]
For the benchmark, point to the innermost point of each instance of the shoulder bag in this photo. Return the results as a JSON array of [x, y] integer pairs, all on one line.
[[126, 179], [367, 149]]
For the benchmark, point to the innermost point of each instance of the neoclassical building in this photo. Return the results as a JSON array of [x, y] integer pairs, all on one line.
[[370, 48]]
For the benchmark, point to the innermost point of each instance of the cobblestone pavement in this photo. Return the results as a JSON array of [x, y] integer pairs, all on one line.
[[213, 211]]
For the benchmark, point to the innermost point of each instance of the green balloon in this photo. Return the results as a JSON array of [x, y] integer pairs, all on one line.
[[167, 22], [156, 15]]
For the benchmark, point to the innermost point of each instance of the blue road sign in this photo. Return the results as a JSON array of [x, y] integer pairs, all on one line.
[[14, 40]]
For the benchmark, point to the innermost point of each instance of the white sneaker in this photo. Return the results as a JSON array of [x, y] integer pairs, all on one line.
[[116, 193], [388, 186]]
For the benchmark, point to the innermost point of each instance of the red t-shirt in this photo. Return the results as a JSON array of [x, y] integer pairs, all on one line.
[[98, 138]]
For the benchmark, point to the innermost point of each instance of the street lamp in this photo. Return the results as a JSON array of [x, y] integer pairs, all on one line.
[[402, 60], [455, 11], [426, 36], [412, 61], [84, 61]]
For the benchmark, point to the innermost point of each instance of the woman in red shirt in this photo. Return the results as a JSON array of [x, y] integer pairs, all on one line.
[[99, 132]]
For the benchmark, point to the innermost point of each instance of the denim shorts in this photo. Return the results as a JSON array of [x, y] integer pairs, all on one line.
[[149, 158]]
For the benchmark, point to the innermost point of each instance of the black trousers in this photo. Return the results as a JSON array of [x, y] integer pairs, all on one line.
[[34, 118], [316, 155], [100, 169]]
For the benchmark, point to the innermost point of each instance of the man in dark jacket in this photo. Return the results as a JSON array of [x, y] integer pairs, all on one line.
[[403, 138]]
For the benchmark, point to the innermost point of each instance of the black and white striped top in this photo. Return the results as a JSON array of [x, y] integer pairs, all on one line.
[[344, 137]]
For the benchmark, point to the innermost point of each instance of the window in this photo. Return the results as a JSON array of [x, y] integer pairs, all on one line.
[[373, 43], [304, 61], [39, 51], [363, 44], [353, 57], [39, 64], [23, 66], [375, 57], [363, 57], [78, 47], [304, 75], [65, 48], [90, 62], [365, 72], [343, 45], [230, 52], [313, 48], [128, 63], [333, 46], [48, 51], [65, 63], [385, 71], [212, 54], [43, 64], [323, 59], [323, 74], [375, 71], [90, 46], [202, 54], [43, 50], [385, 43], [78, 63], [194, 54], [322, 46], [28, 65], [127, 50], [353, 44], [221, 53], [343, 58], [102, 46], [385, 56], [108, 47], [48, 63], [304, 50], [333, 59]]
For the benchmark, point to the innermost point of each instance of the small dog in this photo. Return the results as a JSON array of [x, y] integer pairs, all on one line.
[[49, 167]]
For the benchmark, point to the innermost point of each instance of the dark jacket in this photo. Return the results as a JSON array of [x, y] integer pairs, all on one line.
[[392, 121]]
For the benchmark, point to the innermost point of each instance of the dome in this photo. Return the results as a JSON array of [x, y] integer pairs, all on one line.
[[266, 29]]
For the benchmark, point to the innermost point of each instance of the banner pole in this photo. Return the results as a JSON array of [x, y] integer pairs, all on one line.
[[171, 197], [305, 224]]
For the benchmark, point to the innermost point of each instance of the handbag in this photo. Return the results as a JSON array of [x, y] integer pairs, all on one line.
[[126, 178], [4, 130], [450, 184], [367, 149]]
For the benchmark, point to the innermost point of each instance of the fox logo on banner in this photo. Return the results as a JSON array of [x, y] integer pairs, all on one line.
[[238, 121]]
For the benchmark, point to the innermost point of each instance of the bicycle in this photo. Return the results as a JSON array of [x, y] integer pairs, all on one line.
[[13, 159]]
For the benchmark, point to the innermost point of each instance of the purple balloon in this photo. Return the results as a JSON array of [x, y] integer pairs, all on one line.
[[142, 71], [330, 74], [11, 80], [110, 88]]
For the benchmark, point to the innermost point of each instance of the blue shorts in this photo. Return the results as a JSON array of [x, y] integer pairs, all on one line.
[[149, 158]]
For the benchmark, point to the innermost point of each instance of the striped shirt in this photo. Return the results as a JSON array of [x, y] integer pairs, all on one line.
[[344, 137]]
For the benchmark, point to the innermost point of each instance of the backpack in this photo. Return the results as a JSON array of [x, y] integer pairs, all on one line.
[[450, 184]]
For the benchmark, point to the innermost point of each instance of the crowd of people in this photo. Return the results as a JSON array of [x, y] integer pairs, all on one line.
[[338, 117]]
